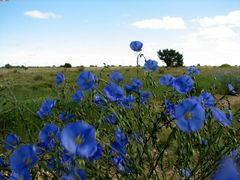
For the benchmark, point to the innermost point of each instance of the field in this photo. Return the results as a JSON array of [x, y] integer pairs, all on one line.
[[23, 90]]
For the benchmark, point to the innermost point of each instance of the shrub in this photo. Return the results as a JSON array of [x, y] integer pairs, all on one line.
[[225, 65]]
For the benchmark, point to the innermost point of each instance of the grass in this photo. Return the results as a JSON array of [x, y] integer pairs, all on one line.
[[22, 91]]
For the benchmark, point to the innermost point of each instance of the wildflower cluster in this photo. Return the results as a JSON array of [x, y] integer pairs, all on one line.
[[113, 129]]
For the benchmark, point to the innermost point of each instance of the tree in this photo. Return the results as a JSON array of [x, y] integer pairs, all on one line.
[[171, 57], [66, 65]]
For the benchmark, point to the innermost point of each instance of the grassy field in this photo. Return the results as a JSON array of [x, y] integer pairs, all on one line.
[[23, 90]]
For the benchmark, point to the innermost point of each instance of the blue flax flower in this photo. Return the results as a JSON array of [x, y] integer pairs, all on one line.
[[127, 102], [2, 177], [170, 108], [116, 77], [193, 70], [151, 65], [183, 84], [129, 88], [207, 99], [167, 80], [100, 100], [60, 78], [185, 172], [24, 175], [79, 138], [136, 136], [121, 138], [98, 154], [23, 159], [136, 83], [204, 141], [190, 115], [144, 97], [48, 135], [136, 46], [78, 96], [114, 92], [228, 169], [64, 116], [231, 89], [2, 162], [74, 174], [111, 119], [221, 117], [87, 80], [46, 108], [11, 141]]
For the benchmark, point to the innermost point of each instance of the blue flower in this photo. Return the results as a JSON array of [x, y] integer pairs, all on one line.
[[151, 65], [48, 135], [228, 169], [207, 99], [60, 78], [116, 77], [65, 117], [79, 138], [170, 108], [144, 97], [51, 164], [136, 83], [114, 92], [183, 84], [98, 154], [100, 100], [24, 175], [46, 108], [129, 88], [23, 159], [2, 177], [203, 141], [231, 89], [136, 136], [190, 115], [167, 80], [127, 102], [185, 172], [87, 80], [111, 119], [2, 162], [136, 46], [78, 96], [74, 174], [121, 138], [235, 155], [11, 141], [193, 70], [221, 117]]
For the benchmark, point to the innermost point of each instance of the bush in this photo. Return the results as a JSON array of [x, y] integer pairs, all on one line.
[[225, 66]]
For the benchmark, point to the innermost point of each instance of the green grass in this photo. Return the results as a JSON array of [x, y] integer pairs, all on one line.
[[22, 91]]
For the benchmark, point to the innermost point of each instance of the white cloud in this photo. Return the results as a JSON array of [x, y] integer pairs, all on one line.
[[231, 19], [211, 46], [41, 15], [166, 22], [218, 32]]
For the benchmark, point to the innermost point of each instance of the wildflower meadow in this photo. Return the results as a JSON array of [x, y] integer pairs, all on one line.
[[104, 128]]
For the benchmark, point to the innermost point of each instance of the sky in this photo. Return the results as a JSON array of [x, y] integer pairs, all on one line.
[[93, 32]]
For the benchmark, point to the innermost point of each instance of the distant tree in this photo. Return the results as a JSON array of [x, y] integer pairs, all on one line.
[[8, 66], [171, 57], [67, 65]]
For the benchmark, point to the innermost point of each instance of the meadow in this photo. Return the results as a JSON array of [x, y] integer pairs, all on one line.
[[23, 90]]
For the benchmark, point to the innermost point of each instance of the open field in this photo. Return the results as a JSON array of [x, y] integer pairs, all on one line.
[[22, 92]]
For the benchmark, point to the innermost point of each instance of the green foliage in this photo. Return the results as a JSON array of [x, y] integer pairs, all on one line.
[[171, 57], [225, 65]]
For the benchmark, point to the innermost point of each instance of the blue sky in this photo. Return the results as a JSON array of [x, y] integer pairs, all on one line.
[[85, 32]]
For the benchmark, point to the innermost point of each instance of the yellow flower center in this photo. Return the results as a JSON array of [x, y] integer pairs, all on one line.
[[188, 115], [28, 161], [88, 81], [78, 140]]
